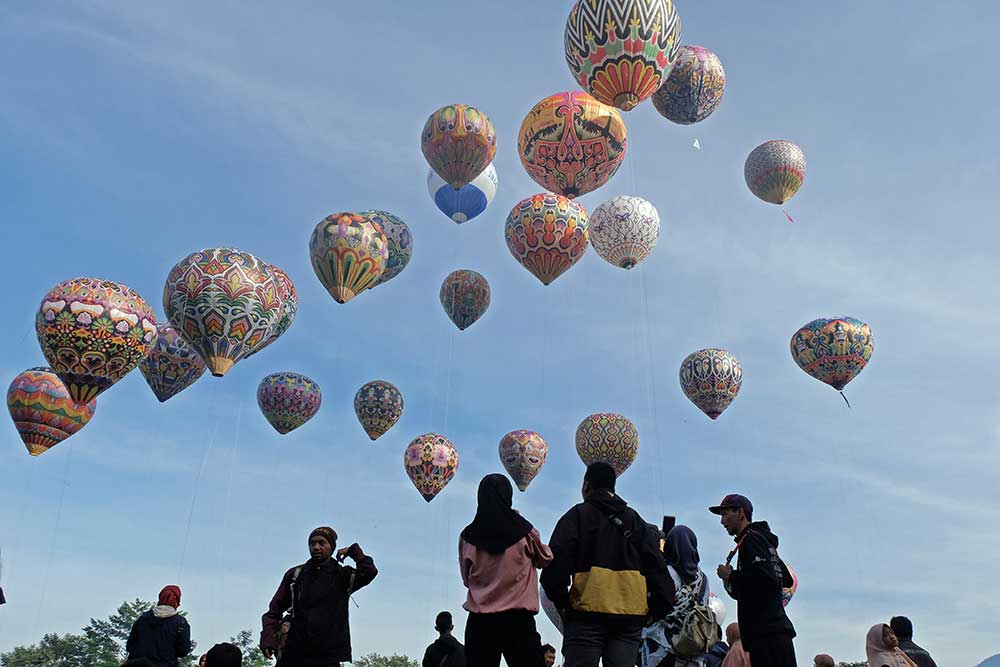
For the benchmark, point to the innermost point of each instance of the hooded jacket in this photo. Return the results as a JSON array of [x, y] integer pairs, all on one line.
[[756, 584], [160, 635], [916, 653], [444, 652]]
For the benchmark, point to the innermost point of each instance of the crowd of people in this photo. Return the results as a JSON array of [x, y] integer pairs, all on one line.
[[627, 594]]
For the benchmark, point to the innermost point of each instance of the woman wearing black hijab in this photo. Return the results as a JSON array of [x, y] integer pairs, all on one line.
[[499, 553]]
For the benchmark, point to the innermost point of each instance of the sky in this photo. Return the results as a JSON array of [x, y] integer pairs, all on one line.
[[136, 133]]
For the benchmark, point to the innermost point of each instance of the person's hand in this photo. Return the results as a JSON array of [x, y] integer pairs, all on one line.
[[724, 572], [268, 652], [342, 554]]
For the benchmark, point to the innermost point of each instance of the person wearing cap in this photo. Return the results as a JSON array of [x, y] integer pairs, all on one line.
[[446, 651], [903, 628], [161, 635], [756, 584], [607, 576], [316, 630]]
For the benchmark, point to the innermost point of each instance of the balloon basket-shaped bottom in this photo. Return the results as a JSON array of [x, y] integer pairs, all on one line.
[[219, 366], [341, 294], [626, 101]]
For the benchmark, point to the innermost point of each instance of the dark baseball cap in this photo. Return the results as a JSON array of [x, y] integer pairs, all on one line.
[[734, 501]]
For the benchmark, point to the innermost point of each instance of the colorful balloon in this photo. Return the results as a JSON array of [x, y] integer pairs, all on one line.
[[226, 303], [547, 234], [467, 202], [288, 400], [788, 593], [522, 454], [93, 332], [43, 411], [607, 437], [400, 243], [620, 51], [774, 171], [288, 297], [711, 379], [550, 609], [694, 88], [459, 142], [571, 144], [172, 366], [624, 230], [430, 461], [834, 350], [378, 405], [349, 254], [465, 296]]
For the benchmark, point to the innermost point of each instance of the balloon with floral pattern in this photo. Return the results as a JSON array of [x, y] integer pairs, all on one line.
[[775, 170], [610, 438], [43, 411], [431, 461], [624, 230], [172, 366], [288, 297], [711, 379], [694, 88], [288, 400], [523, 454], [349, 253], [547, 234], [400, 243], [378, 405], [833, 350], [459, 142], [465, 296]]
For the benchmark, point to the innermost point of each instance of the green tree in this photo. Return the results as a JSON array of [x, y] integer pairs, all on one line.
[[52, 651], [376, 660], [252, 657], [106, 638], [852, 664]]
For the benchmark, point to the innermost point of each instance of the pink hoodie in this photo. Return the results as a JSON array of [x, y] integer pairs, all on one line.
[[503, 582]]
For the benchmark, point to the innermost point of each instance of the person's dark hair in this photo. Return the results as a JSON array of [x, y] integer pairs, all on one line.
[[548, 648], [443, 622], [902, 626], [601, 476], [138, 662], [224, 655]]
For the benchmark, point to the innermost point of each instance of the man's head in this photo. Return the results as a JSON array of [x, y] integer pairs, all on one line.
[[443, 623], [224, 655], [736, 512], [170, 596], [549, 651], [322, 542], [823, 660], [902, 626], [599, 477]]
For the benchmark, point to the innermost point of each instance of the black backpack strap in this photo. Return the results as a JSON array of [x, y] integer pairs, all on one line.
[[291, 587]]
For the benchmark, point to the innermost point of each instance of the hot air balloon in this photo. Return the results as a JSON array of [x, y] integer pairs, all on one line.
[[522, 454], [288, 400], [430, 461], [550, 609], [624, 230], [459, 142], [607, 437], [288, 297], [718, 607], [172, 366], [547, 234], [788, 593], [834, 350], [620, 51], [43, 411], [571, 144], [400, 243], [379, 405], [226, 303], [349, 254], [467, 202], [711, 379], [774, 171], [465, 296], [694, 88], [93, 332]]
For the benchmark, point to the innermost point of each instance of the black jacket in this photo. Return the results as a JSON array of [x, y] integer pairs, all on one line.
[[916, 654], [607, 562], [445, 652], [756, 584], [161, 640]]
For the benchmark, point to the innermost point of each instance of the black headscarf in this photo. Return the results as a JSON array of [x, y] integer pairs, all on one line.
[[496, 526], [681, 551]]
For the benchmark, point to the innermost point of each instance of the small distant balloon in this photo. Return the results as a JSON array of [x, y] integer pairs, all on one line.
[[465, 296], [522, 454], [43, 411], [607, 437], [378, 405], [349, 253], [833, 350], [400, 243], [694, 88], [431, 461], [624, 230], [711, 379], [547, 234], [172, 366], [718, 607], [775, 170], [696, 144], [467, 202], [459, 142], [288, 400]]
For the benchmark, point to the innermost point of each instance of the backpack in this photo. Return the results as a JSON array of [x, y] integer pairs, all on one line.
[[700, 630], [281, 637]]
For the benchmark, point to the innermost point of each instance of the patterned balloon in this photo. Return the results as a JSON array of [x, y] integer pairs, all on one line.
[[43, 411], [172, 366], [465, 296], [571, 144], [226, 303], [93, 332], [711, 379], [788, 593], [624, 230], [288, 297], [774, 171], [620, 51], [834, 350], [288, 400], [522, 454], [469, 201], [400, 243], [430, 461], [694, 88], [379, 405], [607, 437], [550, 609], [547, 234], [349, 254], [459, 142]]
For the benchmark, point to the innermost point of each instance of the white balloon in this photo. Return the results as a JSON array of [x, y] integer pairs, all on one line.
[[624, 230], [719, 607], [468, 202]]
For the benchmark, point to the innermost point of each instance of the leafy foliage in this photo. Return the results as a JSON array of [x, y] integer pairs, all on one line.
[[376, 660]]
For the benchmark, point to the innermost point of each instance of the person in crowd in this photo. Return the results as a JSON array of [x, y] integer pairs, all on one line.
[[499, 553], [737, 655], [316, 630], [824, 660], [224, 655], [717, 653], [549, 653], [446, 651], [882, 648], [607, 576], [201, 660], [756, 583], [903, 628], [161, 635]]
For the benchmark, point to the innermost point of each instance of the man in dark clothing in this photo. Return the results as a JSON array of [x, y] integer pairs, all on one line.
[[316, 595], [224, 655], [903, 628], [756, 584], [446, 651], [161, 635], [607, 576]]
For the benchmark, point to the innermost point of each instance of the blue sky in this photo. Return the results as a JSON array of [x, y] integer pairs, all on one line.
[[133, 134]]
